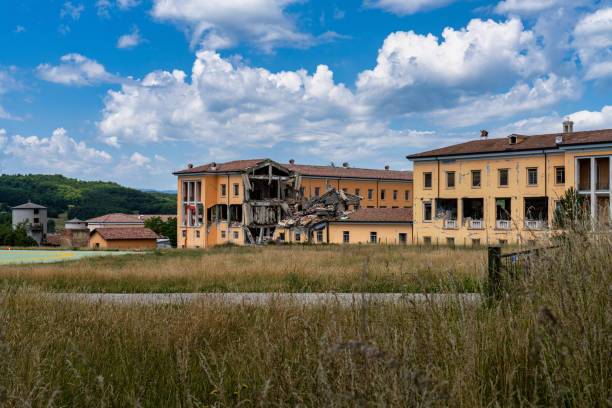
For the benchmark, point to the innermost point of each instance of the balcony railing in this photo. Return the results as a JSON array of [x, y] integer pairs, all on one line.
[[503, 224], [476, 224], [535, 224], [450, 224]]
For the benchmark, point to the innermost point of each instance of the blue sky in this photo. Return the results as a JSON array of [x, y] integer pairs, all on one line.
[[130, 90]]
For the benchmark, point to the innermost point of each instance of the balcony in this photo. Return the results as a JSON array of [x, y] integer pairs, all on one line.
[[503, 224], [36, 226], [535, 225], [476, 224], [450, 224]]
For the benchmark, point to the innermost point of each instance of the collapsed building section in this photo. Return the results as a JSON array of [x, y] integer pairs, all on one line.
[[271, 192], [331, 206]]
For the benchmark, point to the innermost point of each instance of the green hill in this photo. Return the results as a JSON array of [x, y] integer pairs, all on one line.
[[81, 199]]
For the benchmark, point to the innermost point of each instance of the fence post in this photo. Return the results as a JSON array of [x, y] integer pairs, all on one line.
[[494, 257]]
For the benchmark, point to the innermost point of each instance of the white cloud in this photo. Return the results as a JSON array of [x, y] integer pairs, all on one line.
[[72, 11], [519, 99], [75, 69], [139, 160], [526, 6], [19, 29], [59, 153], [2, 137], [217, 24], [130, 40], [127, 4], [416, 72], [583, 120], [404, 7], [593, 41]]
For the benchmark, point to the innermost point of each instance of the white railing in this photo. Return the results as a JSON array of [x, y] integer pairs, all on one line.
[[535, 224], [504, 224], [450, 224], [476, 224]]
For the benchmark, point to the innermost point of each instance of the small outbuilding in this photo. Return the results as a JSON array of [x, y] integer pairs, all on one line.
[[123, 238]]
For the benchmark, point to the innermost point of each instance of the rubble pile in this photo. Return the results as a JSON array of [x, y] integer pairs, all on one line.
[[332, 205]]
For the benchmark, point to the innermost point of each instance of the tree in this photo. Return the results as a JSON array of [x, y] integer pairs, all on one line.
[[17, 236], [572, 212], [166, 229]]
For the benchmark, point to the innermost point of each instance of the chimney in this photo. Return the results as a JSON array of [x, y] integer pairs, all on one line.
[[386, 167], [345, 164], [213, 166], [190, 166], [291, 161], [568, 126], [484, 134]]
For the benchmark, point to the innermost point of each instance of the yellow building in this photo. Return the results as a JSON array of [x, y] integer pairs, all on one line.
[[242, 201], [505, 190], [123, 238]]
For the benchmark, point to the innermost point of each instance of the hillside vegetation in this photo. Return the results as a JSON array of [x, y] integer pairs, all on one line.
[[81, 199]]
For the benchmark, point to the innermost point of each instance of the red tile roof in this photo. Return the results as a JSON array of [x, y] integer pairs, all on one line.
[[306, 170], [120, 218], [523, 143], [382, 215], [126, 233]]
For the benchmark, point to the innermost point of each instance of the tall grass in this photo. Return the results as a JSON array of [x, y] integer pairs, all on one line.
[[546, 342], [286, 269]]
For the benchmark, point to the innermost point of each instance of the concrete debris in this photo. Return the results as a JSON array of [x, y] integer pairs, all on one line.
[[330, 206]]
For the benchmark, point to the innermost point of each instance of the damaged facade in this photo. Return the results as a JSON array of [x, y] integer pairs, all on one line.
[[506, 190], [251, 201]]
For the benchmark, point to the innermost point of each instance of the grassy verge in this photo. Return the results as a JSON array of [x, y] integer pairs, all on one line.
[[546, 342], [262, 269]]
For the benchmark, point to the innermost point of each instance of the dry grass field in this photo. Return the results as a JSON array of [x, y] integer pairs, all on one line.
[[546, 342], [262, 269]]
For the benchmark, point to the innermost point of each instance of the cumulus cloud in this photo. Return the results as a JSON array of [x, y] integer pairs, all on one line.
[[2, 137], [593, 41], [416, 72], [75, 69], [405, 7], [519, 99], [71, 11], [218, 24], [127, 4], [130, 40], [56, 153], [583, 120]]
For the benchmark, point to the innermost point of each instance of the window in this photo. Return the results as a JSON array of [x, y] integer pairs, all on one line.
[[236, 189], [560, 175], [281, 236], [236, 235], [475, 178], [450, 179], [532, 176], [373, 237], [357, 191], [450, 241], [97, 245], [223, 190], [503, 241], [407, 195], [319, 236], [36, 211], [476, 241], [402, 238], [298, 237], [184, 234], [345, 237], [317, 191], [197, 234], [503, 177], [426, 180], [345, 190], [558, 206], [36, 220], [370, 194], [223, 234], [427, 240], [427, 211], [370, 206], [394, 195], [382, 194]]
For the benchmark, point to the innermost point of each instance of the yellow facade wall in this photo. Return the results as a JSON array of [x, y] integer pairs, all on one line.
[[360, 233], [517, 190]]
